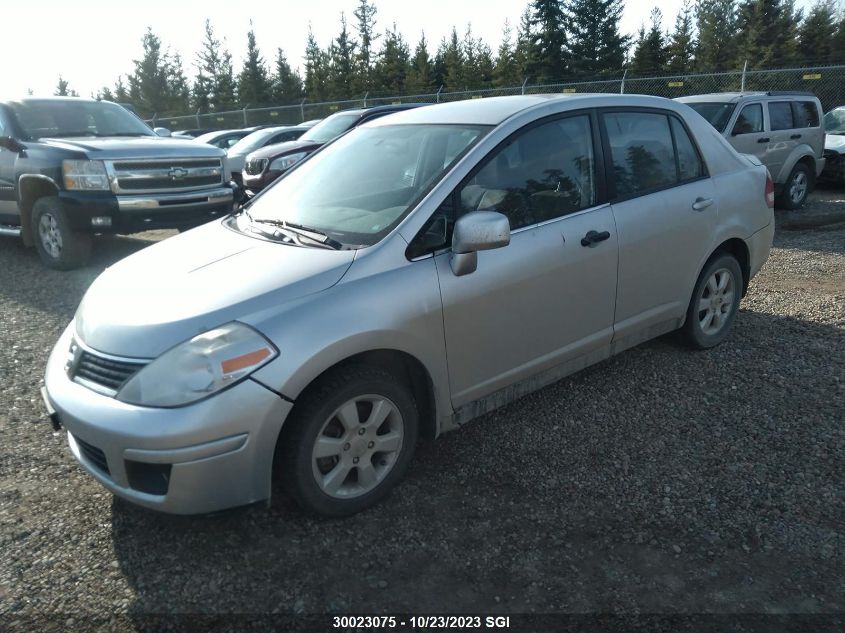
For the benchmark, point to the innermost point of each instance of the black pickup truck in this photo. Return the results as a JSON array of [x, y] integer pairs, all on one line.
[[71, 167]]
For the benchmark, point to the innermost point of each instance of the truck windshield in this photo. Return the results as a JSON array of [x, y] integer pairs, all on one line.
[[357, 189], [61, 118], [717, 114]]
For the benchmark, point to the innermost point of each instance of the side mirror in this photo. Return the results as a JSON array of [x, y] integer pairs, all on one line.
[[477, 231], [162, 131], [11, 144]]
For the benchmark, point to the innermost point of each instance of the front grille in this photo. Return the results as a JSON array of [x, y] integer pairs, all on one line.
[[107, 373], [165, 175], [94, 455], [255, 166]]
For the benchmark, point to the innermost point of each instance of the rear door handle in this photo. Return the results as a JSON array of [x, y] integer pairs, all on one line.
[[593, 237], [795, 136], [702, 203], [764, 140]]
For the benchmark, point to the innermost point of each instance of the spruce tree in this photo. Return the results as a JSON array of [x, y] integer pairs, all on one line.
[[421, 73], [524, 51], [287, 84], [506, 71], [254, 86], [549, 42], [767, 33], [316, 69], [453, 63], [148, 84], [342, 63], [365, 14], [63, 89], [715, 49], [817, 34], [650, 50], [681, 48], [595, 44], [392, 64], [478, 61]]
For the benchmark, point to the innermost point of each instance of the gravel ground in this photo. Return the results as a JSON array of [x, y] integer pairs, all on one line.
[[660, 481]]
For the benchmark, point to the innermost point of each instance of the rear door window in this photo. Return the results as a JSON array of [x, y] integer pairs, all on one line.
[[780, 115], [690, 165], [641, 150], [750, 120], [805, 113]]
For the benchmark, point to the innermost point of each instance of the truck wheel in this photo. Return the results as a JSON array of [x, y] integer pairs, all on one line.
[[797, 188], [714, 303], [349, 442], [57, 244]]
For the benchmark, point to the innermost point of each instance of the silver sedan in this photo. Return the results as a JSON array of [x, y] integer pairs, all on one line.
[[413, 274]]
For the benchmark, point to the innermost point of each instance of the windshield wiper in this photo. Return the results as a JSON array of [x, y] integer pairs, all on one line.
[[314, 236]]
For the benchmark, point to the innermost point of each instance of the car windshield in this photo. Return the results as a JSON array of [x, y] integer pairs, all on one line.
[[359, 188], [716, 113], [329, 128], [834, 121], [69, 117], [253, 141]]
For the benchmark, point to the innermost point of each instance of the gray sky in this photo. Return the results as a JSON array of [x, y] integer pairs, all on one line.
[[92, 42]]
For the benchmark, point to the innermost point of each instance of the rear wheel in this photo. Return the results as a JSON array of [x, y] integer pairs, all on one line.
[[714, 304], [797, 187], [350, 441], [57, 244]]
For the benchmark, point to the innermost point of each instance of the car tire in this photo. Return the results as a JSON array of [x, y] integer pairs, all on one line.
[[797, 188], [328, 455], [715, 302], [58, 245]]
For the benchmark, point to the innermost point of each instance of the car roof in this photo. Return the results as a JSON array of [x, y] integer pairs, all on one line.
[[734, 97], [54, 99]]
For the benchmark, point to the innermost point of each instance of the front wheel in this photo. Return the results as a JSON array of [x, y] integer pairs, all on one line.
[[349, 442], [58, 245], [797, 187], [714, 303]]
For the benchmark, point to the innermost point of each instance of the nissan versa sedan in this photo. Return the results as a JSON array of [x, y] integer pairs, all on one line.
[[416, 273]]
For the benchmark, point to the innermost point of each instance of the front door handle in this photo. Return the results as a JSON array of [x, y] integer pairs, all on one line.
[[795, 136], [593, 237], [764, 140], [702, 203]]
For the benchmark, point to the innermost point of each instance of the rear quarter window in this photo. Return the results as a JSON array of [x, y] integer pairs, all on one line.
[[805, 114], [780, 115]]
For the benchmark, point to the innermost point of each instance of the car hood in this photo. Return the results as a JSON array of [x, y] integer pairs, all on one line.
[[132, 147], [282, 149], [836, 142], [188, 284]]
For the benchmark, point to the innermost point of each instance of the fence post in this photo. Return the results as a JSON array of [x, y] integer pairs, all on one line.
[[523, 85], [302, 109], [744, 69], [198, 118], [622, 87], [437, 96], [155, 117], [244, 111], [365, 98]]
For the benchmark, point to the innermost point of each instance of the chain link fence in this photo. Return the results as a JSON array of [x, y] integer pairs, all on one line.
[[826, 82]]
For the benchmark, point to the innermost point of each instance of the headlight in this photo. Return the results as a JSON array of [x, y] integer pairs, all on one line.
[[206, 364], [86, 175], [286, 162]]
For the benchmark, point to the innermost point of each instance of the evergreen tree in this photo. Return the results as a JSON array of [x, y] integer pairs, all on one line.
[[595, 44], [550, 46], [715, 50], [287, 84], [254, 85], [316, 70], [478, 62], [225, 84], [681, 48], [365, 14], [506, 71], [105, 94], [817, 34], [421, 73], [63, 89], [342, 77], [391, 70], [524, 52], [179, 92], [838, 44], [650, 50], [453, 63], [120, 93], [214, 87], [767, 33]]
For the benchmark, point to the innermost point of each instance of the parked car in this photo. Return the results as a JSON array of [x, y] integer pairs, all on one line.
[[264, 136], [263, 166], [310, 122], [834, 145], [72, 167], [782, 129], [416, 273], [224, 139], [191, 133]]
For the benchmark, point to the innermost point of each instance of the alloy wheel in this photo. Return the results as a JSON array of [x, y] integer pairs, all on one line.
[[716, 301], [50, 235], [798, 187]]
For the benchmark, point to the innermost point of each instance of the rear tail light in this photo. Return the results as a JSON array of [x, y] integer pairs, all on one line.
[[770, 192]]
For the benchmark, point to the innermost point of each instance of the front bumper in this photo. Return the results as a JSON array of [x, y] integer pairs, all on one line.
[[258, 182], [142, 212], [207, 456]]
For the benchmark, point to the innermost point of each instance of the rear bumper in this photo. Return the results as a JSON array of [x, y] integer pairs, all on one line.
[[133, 213], [759, 247]]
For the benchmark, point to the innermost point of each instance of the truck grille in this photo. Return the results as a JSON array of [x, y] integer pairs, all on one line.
[[164, 175], [255, 166], [104, 375]]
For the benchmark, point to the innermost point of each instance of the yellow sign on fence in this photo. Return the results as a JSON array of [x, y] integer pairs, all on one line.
[[569, 90], [813, 76], [220, 118], [676, 84], [274, 114]]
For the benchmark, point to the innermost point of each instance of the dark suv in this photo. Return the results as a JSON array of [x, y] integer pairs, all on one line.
[[264, 165], [72, 167]]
